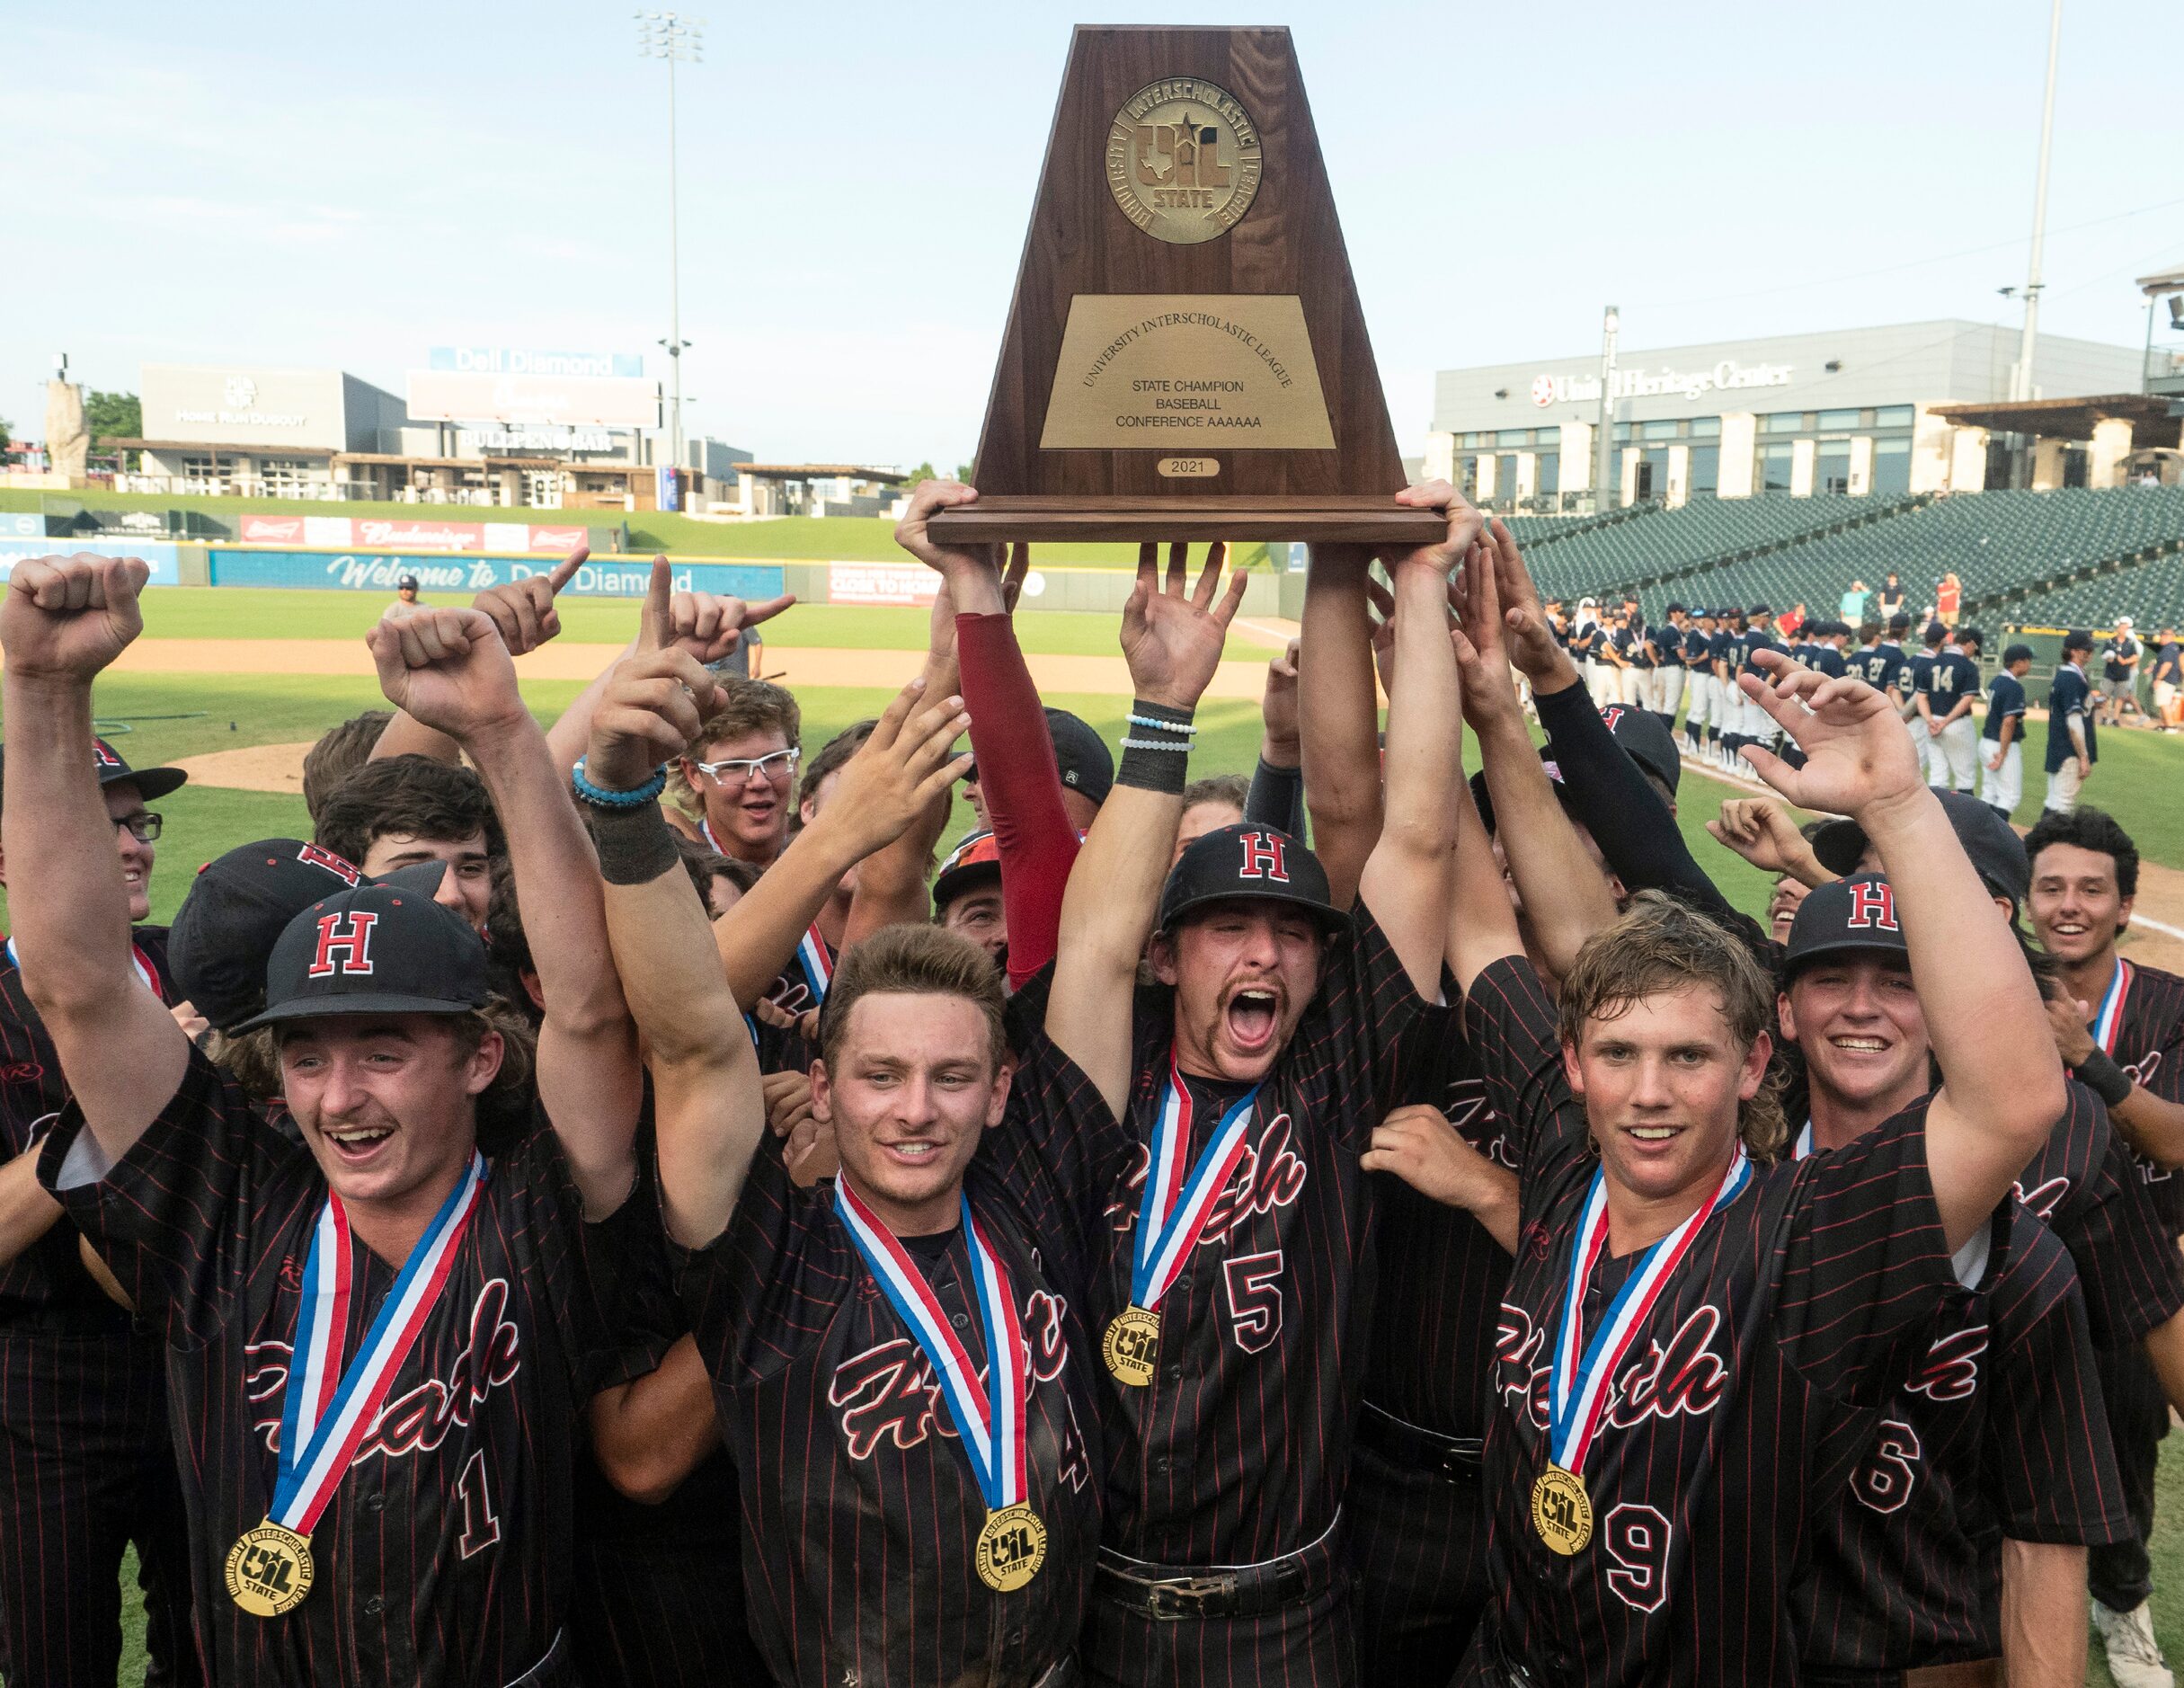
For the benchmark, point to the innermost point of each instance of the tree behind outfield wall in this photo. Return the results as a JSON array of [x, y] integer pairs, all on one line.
[[7, 433], [113, 415]]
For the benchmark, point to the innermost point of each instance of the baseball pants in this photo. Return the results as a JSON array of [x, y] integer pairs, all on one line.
[[1308, 1643], [2063, 787], [1922, 743], [1667, 693], [1957, 751], [1599, 681], [1699, 703], [1636, 684], [87, 1467], [1419, 1547], [2120, 1575], [2002, 787]]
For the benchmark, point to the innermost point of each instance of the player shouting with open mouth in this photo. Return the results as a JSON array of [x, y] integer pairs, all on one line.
[[1232, 1295]]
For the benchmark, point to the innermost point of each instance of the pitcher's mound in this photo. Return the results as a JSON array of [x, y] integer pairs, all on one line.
[[253, 767]]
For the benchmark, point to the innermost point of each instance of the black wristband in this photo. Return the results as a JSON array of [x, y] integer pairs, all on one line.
[[1155, 748], [2099, 1073], [636, 846]]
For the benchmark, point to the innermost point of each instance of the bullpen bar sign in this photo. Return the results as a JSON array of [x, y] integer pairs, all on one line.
[[451, 579]]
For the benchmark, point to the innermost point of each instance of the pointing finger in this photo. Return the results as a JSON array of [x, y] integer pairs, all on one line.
[[656, 629], [564, 571]]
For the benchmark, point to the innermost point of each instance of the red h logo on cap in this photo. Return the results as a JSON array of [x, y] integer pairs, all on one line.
[[318, 855], [103, 754], [1873, 907], [345, 945], [1264, 856], [1611, 716]]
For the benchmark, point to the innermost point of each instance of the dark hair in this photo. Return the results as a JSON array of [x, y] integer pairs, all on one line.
[[412, 796], [2017, 653], [913, 961], [1899, 623], [1936, 634], [834, 754], [1232, 789], [339, 753], [508, 950], [2075, 640], [705, 865], [2089, 828]]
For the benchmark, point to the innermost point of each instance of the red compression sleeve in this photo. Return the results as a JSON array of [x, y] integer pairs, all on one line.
[[1022, 786]]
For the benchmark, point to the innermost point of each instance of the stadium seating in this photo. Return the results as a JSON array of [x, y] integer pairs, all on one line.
[[2152, 594], [1672, 542], [1996, 542]]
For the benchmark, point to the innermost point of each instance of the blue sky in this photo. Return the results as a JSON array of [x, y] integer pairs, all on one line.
[[317, 185]]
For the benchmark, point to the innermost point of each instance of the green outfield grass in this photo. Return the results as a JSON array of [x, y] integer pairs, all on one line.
[[790, 538], [265, 612]]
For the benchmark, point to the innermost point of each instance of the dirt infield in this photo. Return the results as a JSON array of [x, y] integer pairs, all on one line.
[[2157, 927]]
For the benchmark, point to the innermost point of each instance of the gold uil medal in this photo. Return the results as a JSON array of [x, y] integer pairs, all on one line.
[[1131, 1345], [269, 1571], [1561, 1511], [1011, 1548]]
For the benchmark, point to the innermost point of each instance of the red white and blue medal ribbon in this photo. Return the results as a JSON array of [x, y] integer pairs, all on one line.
[[1582, 1372], [1179, 1194], [2108, 1020], [327, 1409], [814, 962], [988, 1416], [1804, 1144]]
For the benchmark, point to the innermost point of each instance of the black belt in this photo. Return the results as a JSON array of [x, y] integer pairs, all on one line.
[[1971, 1672], [1412, 1449], [1242, 1591]]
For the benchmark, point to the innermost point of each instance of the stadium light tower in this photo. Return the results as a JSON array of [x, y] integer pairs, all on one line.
[[678, 39], [1606, 483], [2020, 385]]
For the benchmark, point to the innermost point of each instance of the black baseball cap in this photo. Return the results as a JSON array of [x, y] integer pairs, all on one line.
[[1994, 845], [407, 583], [1857, 913], [1086, 764], [151, 783], [1246, 860], [976, 861], [375, 949], [234, 913], [2076, 639], [1639, 733]]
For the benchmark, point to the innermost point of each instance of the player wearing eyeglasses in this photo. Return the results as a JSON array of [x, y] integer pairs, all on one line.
[[81, 1403], [740, 781]]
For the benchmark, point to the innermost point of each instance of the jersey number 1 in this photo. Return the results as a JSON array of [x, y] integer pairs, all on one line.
[[481, 1528]]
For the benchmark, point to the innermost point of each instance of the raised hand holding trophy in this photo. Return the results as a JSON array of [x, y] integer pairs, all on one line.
[[1186, 358]]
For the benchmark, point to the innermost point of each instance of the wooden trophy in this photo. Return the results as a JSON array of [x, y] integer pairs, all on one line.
[[1186, 358]]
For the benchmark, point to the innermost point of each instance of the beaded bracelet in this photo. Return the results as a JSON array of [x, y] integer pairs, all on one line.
[[1137, 720], [599, 797], [1129, 744]]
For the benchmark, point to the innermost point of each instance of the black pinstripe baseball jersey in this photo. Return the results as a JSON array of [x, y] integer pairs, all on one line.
[[1438, 1299], [47, 1279], [1237, 1449], [1750, 1391], [2085, 1187], [2148, 1043], [659, 1588], [861, 1511], [443, 1557], [1998, 1431]]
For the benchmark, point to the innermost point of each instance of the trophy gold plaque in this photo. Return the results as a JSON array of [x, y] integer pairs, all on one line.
[[1185, 357]]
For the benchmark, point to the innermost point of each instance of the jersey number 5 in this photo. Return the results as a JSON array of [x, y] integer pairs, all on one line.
[[1254, 1299]]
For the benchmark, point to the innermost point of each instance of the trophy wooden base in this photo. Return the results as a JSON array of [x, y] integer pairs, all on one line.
[[1333, 519]]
